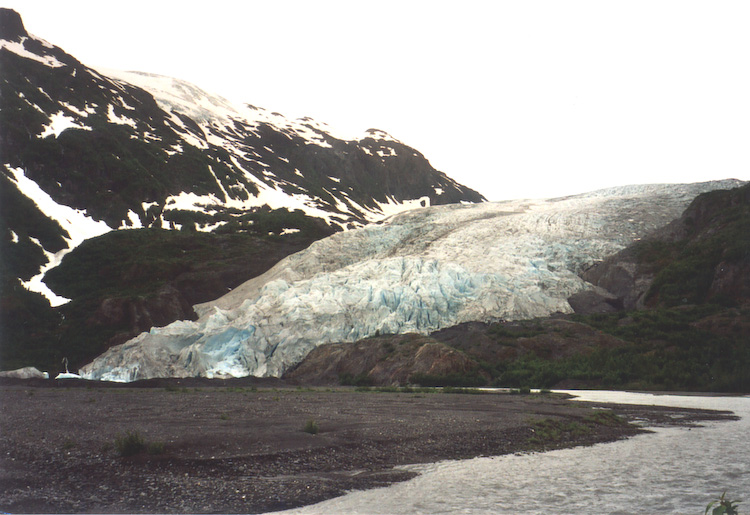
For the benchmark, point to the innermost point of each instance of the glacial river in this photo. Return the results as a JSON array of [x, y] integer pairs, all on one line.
[[674, 470]]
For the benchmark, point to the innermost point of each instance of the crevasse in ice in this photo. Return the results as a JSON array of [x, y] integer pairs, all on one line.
[[419, 271]]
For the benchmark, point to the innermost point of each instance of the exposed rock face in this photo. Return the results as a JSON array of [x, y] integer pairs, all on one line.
[[384, 360], [624, 281], [418, 272], [86, 153], [11, 25], [731, 280], [594, 301], [452, 353], [142, 313], [709, 245]]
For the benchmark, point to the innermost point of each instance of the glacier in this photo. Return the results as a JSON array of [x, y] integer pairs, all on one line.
[[418, 271]]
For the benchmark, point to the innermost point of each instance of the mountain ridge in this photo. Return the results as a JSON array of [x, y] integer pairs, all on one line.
[[84, 156], [107, 148]]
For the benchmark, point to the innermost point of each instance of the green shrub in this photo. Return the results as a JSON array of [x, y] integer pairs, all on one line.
[[388, 389], [130, 444], [455, 379], [362, 379], [155, 448], [551, 431], [723, 506], [311, 427], [604, 418], [467, 391]]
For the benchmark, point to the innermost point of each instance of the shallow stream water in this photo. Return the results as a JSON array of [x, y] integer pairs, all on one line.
[[673, 470]]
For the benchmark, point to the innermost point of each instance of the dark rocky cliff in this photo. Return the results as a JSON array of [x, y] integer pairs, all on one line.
[[112, 151], [672, 313], [702, 256]]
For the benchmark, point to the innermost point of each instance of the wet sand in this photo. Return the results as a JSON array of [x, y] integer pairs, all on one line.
[[242, 449]]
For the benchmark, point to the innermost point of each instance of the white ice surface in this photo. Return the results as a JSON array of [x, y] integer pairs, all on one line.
[[67, 375], [416, 272]]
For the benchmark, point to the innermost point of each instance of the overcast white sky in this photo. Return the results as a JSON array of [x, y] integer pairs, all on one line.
[[514, 99]]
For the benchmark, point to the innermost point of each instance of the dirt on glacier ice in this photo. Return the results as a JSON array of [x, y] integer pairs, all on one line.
[[240, 447]]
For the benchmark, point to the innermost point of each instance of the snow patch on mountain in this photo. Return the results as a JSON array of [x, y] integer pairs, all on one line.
[[217, 124], [113, 117], [18, 48], [419, 271], [76, 223], [134, 222], [175, 95], [60, 122], [393, 207]]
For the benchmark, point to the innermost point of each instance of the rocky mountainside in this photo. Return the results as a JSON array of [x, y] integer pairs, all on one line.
[[675, 315], [85, 153], [417, 272], [463, 355], [703, 256], [96, 153]]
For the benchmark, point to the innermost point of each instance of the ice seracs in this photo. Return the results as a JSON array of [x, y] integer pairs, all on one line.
[[419, 271]]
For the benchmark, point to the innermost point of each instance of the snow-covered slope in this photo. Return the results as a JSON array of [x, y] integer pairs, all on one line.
[[130, 150], [416, 272], [228, 126]]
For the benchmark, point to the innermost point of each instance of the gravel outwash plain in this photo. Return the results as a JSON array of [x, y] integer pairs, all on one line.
[[234, 447]]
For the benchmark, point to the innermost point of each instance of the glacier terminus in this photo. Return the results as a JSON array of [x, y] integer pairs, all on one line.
[[418, 271]]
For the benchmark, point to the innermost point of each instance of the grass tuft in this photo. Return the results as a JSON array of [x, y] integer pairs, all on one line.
[[311, 427], [132, 443]]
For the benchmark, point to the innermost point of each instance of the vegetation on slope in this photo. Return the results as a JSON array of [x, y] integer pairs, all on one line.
[[687, 348], [691, 334], [695, 348], [125, 282]]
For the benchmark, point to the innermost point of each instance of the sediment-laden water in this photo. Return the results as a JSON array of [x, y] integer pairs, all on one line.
[[673, 470]]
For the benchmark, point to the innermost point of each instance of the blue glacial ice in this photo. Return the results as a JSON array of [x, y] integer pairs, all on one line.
[[419, 271]]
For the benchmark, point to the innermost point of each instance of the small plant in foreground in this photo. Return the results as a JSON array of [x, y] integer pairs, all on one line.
[[723, 506], [605, 418], [311, 427], [155, 448], [132, 443]]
